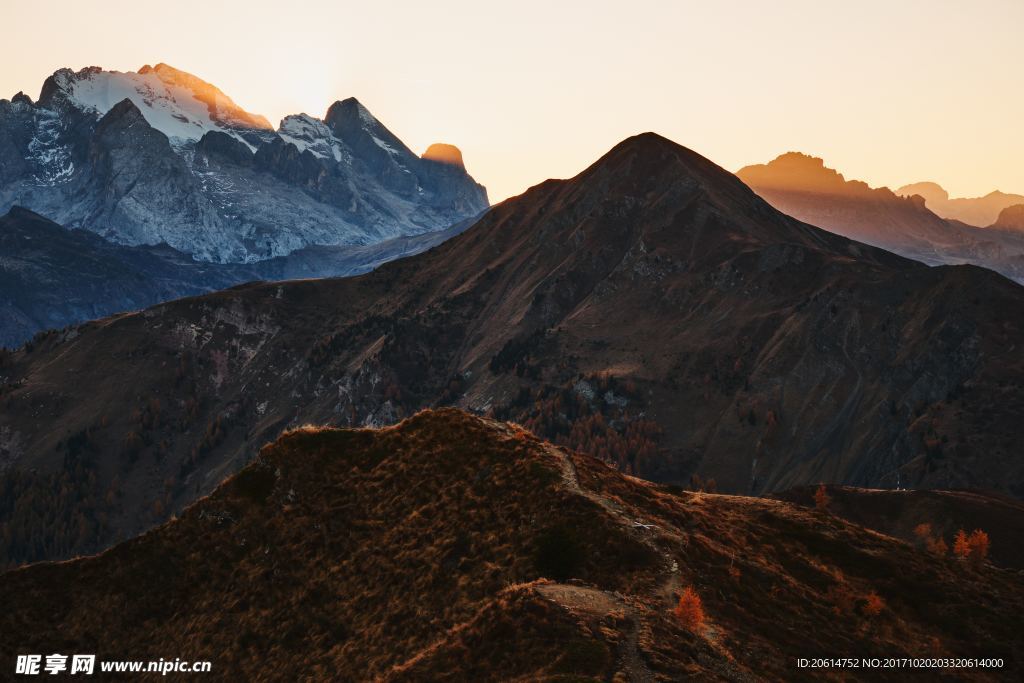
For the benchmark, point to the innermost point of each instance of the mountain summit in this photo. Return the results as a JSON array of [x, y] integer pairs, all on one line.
[[178, 104], [161, 156], [796, 171], [445, 154]]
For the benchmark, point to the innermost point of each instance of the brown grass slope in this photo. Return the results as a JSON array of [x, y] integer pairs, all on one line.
[[453, 547], [652, 311], [898, 513]]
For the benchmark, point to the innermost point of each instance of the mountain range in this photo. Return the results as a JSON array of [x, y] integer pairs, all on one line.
[[652, 311], [803, 187], [159, 156], [453, 547]]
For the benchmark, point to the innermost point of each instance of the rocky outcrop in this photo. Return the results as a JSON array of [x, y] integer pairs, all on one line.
[[445, 154], [222, 148]]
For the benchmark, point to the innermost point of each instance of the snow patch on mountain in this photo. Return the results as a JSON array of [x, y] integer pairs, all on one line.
[[309, 133], [50, 157]]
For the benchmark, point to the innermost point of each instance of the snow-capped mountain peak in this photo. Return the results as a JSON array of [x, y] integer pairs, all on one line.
[[159, 155], [178, 104]]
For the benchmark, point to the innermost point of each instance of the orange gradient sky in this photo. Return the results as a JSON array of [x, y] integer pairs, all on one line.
[[887, 92]]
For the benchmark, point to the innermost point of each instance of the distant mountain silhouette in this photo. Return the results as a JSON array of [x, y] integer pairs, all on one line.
[[803, 187], [1011, 218], [977, 211]]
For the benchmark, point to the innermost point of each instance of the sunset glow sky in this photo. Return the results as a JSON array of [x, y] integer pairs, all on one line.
[[887, 92]]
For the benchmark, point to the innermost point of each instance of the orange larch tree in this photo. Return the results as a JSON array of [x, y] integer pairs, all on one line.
[[961, 548], [977, 545], [821, 498], [938, 546], [873, 605], [690, 610]]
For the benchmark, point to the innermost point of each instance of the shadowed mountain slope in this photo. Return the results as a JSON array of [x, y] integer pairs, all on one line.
[[453, 547], [653, 311], [52, 277]]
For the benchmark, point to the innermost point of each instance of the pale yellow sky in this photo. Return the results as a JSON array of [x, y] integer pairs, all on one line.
[[888, 92]]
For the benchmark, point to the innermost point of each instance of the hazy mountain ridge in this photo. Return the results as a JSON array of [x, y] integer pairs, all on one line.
[[979, 212], [1010, 218], [160, 156], [652, 311], [803, 187], [51, 277]]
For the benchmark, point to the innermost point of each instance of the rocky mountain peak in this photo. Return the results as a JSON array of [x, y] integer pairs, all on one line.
[[976, 211], [932, 192], [445, 154], [123, 111], [178, 104], [353, 123], [797, 171], [1011, 218]]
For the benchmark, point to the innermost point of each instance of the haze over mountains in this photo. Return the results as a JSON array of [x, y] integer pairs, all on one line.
[[653, 311], [453, 547], [52, 277], [803, 187], [160, 156], [977, 211]]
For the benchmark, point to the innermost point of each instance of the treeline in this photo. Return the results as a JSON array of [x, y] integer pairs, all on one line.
[[55, 514], [599, 415]]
